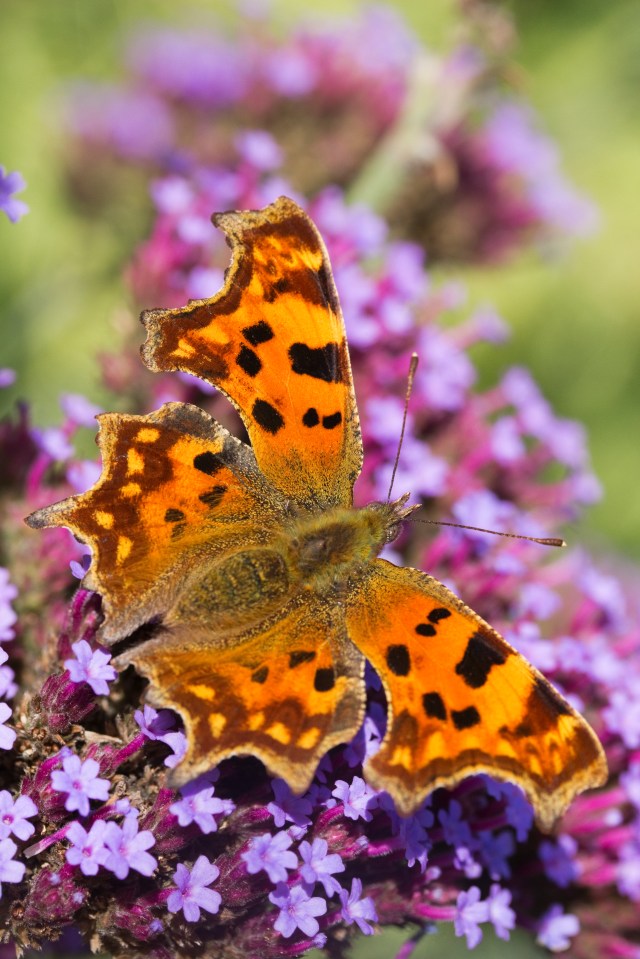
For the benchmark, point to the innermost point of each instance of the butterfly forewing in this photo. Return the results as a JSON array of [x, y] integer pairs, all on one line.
[[462, 701], [274, 341], [175, 489]]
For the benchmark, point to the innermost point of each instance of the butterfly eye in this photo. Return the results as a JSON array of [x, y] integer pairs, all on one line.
[[393, 532]]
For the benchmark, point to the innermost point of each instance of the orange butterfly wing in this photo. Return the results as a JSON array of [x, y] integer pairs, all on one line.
[[462, 701], [285, 691], [273, 340], [176, 489]]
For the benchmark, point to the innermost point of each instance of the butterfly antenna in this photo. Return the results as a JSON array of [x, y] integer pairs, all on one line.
[[413, 364], [542, 540]]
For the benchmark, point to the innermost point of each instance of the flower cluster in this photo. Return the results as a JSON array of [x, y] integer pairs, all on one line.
[[456, 163], [92, 837]]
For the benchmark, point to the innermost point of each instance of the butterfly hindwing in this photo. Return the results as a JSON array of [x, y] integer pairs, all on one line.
[[273, 340], [285, 692], [462, 701]]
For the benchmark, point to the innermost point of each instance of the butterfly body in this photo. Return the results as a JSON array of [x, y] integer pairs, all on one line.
[[264, 579]]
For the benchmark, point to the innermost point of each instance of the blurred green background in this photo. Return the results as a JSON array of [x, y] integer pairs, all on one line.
[[574, 321]]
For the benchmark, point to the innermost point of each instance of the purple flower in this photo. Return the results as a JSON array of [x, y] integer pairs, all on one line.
[[8, 593], [446, 374], [91, 666], [10, 870], [87, 849], [470, 912], [501, 915], [412, 833], [287, 807], [14, 815], [191, 893], [297, 910], [272, 854], [154, 723], [199, 805], [8, 688], [259, 149], [455, 827], [628, 870], [358, 798], [54, 442], [160, 725], [357, 909], [495, 850], [7, 736], [126, 848], [82, 474], [79, 409], [556, 929], [81, 783], [319, 865], [7, 377], [178, 743], [558, 859], [11, 183]]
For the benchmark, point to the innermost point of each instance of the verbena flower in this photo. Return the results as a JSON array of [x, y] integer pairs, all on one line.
[[91, 666], [80, 782], [192, 893]]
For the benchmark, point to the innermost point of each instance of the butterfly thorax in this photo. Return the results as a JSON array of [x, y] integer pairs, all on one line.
[[324, 549], [313, 551]]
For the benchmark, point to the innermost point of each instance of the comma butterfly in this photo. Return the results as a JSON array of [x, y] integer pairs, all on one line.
[[264, 578]]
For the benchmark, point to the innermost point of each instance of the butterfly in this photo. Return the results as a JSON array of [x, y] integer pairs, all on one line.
[[262, 578]]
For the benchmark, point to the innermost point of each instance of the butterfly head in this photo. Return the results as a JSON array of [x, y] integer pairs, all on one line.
[[392, 515]]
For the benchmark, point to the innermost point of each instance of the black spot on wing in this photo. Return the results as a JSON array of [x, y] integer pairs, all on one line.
[[324, 680], [173, 516], [260, 675], [299, 656], [209, 463], [258, 333], [249, 361], [438, 613], [311, 417], [322, 362], [282, 285], [213, 496], [267, 416], [398, 660], [330, 422], [425, 629], [479, 658], [434, 706], [465, 718]]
